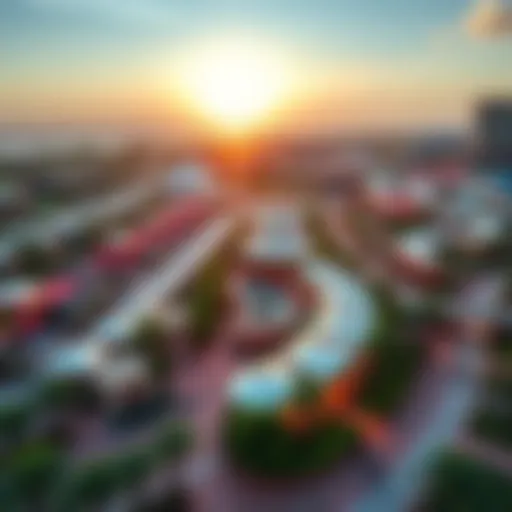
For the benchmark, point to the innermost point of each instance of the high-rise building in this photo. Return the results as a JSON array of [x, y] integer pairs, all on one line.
[[494, 135]]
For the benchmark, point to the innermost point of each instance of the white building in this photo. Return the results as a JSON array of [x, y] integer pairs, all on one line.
[[277, 234], [477, 215]]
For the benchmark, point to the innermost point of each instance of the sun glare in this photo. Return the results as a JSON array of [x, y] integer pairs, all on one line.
[[233, 83]]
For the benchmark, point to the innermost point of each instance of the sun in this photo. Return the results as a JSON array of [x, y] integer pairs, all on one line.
[[236, 84]]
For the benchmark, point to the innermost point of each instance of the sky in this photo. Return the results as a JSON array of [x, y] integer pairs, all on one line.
[[363, 63]]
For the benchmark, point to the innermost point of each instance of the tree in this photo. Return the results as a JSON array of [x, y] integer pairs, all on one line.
[[206, 302], [307, 392], [463, 484], [88, 486], [132, 467], [99, 481], [87, 239], [394, 367], [175, 440], [13, 420], [71, 393], [389, 327], [151, 341], [261, 443], [35, 260], [33, 471]]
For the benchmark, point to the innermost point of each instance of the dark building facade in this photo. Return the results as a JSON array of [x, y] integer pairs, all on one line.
[[494, 135]]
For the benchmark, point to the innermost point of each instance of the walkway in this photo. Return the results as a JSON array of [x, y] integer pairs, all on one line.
[[438, 406], [437, 411]]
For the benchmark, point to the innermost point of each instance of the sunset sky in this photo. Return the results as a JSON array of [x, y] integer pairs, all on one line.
[[356, 62]]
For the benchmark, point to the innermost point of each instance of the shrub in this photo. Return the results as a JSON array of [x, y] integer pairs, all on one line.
[[306, 392], [390, 323], [13, 420], [132, 467], [151, 340], [462, 484], [261, 444], [502, 343], [494, 426], [140, 412], [70, 394], [395, 366], [86, 240], [396, 358], [35, 260], [87, 487], [33, 470], [175, 440], [206, 299]]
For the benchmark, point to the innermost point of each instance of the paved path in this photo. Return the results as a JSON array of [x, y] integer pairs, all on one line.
[[204, 384], [439, 408], [440, 403]]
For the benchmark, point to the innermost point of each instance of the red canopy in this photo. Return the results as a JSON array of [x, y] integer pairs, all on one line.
[[167, 225], [396, 205], [55, 291]]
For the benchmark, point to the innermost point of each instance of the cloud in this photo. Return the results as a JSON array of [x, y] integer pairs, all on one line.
[[490, 19]]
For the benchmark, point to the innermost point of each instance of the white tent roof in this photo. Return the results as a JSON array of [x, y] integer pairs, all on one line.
[[421, 245], [329, 343], [278, 233]]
